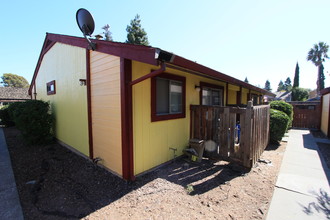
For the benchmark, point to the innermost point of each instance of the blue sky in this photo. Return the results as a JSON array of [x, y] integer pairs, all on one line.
[[259, 40]]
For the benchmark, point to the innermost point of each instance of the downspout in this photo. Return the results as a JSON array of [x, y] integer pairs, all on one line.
[[161, 56], [152, 74]]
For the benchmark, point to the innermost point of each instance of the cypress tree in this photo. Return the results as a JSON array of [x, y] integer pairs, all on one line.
[[280, 86], [267, 85], [296, 77]]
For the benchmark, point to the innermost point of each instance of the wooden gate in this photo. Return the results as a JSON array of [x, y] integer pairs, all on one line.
[[235, 134], [306, 115]]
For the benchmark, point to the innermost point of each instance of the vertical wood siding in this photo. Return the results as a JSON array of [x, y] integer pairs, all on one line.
[[106, 110], [66, 65], [325, 113]]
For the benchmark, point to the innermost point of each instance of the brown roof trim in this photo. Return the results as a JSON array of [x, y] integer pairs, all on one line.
[[188, 64], [144, 54], [139, 53], [45, 47], [325, 91]]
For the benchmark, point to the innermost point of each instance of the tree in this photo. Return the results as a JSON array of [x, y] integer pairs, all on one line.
[[13, 80], [107, 33], [135, 33], [280, 86], [296, 77], [299, 94], [317, 55], [287, 84], [246, 80], [267, 85]]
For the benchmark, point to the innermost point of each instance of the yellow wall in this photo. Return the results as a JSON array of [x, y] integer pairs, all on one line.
[[106, 110], [66, 65], [152, 140], [245, 93], [232, 96], [325, 114]]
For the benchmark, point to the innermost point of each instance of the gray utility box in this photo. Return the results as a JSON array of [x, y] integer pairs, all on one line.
[[198, 146]]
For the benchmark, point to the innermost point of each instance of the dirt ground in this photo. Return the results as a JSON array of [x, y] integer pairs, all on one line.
[[54, 183]]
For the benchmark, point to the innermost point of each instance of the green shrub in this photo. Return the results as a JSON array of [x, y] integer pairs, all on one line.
[[5, 118], [283, 107], [300, 94], [34, 120], [279, 122], [15, 109]]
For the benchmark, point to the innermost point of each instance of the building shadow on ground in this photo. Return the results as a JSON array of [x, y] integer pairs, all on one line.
[[310, 143]]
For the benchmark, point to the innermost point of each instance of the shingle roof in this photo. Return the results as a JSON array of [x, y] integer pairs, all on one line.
[[11, 93]]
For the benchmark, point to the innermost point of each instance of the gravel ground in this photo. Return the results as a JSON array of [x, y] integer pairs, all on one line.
[[54, 183]]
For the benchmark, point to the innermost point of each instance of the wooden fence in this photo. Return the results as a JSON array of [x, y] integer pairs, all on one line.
[[306, 115], [234, 134]]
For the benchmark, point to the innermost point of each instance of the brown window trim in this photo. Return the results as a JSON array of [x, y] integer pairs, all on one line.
[[212, 86], [50, 84], [154, 116]]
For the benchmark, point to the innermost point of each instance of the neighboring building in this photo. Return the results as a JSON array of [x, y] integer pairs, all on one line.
[[283, 96], [12, 94], [325, 111], [128, 105], [313, 95]]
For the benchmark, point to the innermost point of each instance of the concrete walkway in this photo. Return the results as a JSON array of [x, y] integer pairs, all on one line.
[[10, 207], [302, 188]]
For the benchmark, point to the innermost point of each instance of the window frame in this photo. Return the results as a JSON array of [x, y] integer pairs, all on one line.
[[162, 117], [48, 85], [255, 98], [211, 86]]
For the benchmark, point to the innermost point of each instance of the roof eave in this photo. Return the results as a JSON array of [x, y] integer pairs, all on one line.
[[139, 53], [188, 64]]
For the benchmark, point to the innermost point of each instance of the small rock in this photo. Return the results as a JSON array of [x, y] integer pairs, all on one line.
[[31, 182]]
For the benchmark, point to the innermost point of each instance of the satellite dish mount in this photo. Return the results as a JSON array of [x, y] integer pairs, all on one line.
[[86, 24]]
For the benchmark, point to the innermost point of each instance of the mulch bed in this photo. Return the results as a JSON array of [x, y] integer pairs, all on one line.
[[54, 183]]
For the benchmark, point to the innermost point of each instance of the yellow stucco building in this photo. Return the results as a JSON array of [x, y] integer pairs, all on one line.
[[127, 105]]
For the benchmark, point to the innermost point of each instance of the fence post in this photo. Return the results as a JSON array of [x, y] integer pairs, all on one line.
[[248, 135], [226, 146]]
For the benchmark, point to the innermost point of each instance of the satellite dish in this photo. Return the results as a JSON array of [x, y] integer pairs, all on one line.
[[86, 24]]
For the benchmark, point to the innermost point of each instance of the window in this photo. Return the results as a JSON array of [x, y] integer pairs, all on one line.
[[51, 89], [211, 94], [255, 99], [167, 97]]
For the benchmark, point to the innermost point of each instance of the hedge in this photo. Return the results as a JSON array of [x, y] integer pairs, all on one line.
[[5, 118], [284, 107], [279, 122], [34, 120]]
